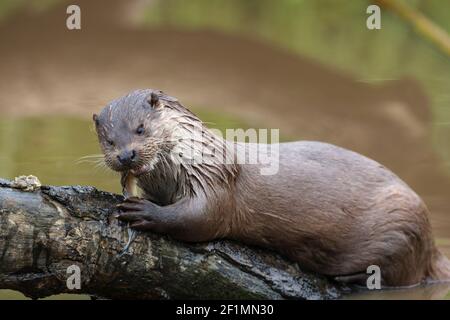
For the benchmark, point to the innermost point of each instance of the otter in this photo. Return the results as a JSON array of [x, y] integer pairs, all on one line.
[[333, 211]]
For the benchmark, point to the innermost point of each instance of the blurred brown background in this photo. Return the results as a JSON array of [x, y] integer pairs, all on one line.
[[310, 68]]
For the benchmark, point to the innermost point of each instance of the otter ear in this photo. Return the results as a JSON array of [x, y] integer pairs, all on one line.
[[95, 118], [153, 100]]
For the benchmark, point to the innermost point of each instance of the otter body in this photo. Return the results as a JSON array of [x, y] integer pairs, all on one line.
[[336, 212], [331, 210]]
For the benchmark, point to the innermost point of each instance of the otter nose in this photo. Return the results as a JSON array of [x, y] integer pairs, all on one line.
[[127, 157]]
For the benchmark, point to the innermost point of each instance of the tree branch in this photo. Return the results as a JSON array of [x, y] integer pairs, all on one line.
[[43, 232], [421, 23]]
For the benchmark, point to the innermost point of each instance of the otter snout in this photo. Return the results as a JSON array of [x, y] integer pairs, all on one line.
[[127, 157]]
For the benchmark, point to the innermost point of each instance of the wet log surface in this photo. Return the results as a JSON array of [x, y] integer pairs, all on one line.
[[44, 231]]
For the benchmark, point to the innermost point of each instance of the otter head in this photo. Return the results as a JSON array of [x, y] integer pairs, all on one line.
[[130, 133]]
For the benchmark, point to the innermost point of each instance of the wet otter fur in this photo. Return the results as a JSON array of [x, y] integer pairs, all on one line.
[[333, 211]]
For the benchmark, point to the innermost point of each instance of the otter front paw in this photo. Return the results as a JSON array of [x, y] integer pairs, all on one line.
[[141, 214]]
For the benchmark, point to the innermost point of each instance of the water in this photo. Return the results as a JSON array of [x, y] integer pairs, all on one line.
[[50, 148], [310, 68]]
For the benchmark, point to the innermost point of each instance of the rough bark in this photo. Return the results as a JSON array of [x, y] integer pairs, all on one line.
[[45, 231]]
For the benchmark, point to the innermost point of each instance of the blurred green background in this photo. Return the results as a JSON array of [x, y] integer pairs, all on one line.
[[308, 67]]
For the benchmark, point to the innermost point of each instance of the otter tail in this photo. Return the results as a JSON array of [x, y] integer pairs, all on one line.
[[440, 267]]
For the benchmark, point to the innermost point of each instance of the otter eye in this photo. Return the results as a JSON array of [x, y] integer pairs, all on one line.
[[110, 142], [140, 130]]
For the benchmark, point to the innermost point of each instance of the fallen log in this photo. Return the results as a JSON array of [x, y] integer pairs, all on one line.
[[46, 229]]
